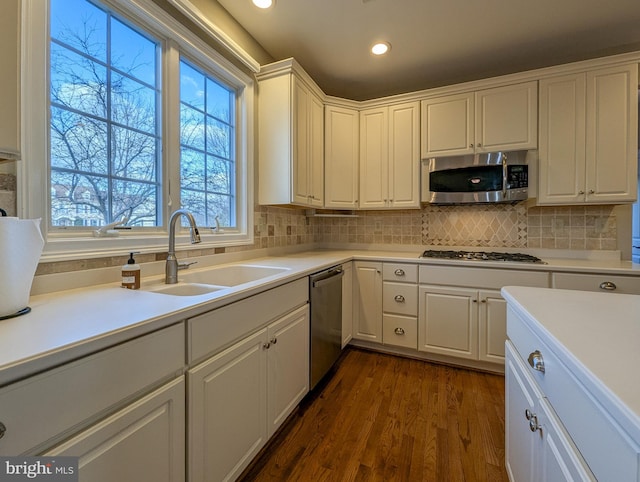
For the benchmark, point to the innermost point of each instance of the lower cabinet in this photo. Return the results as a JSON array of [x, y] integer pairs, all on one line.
[[367, 301], [347, 303], [538, 447], [142, 442], [239, 397]]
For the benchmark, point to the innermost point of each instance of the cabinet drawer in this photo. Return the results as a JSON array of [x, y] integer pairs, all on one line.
[[605, 446], [400, 331], [45, 407], [401, 272], [400, 298], [597, 282], [482, 277], [212, 331]]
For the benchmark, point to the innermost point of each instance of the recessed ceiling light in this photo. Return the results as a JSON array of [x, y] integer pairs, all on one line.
[[263, 3], [380, 48]]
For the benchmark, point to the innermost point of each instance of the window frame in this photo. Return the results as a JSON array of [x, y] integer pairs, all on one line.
[[33, 170]]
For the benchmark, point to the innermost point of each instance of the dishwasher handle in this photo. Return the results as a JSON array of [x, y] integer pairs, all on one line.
[[330, 278]]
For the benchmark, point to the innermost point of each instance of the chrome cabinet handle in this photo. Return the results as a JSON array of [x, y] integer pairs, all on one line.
[[533, 420], [608, 285], [399, 298], [399, 272], [536, 361], [3, 429], [399, 331]]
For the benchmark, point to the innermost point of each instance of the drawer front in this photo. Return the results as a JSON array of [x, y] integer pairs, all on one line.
[[606, 448], [400, 331], [400, 298], [45, 407], [211, 332], [482, 277], [400, 272], [597, 282]]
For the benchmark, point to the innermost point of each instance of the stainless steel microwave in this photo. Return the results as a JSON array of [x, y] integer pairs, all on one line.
[[494, 177]]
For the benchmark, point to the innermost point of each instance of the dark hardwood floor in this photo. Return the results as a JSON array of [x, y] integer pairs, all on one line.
[[386, 418]]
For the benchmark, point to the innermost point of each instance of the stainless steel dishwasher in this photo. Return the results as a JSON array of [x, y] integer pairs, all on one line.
[[325, 293]]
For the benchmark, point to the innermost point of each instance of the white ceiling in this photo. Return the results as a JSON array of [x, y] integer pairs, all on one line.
[[435, 42]]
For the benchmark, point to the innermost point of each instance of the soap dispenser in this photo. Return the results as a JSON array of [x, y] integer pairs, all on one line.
[[131, 274]]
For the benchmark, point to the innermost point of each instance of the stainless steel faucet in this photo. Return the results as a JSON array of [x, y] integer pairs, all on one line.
[[171, 269]]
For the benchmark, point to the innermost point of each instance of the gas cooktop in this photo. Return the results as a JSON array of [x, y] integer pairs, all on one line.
[[481, 256]]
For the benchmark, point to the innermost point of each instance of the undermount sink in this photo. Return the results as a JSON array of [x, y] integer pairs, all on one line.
[[184, 289], [231, 275]]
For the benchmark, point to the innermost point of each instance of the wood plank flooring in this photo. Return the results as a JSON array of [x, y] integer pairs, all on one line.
[[386, 418]]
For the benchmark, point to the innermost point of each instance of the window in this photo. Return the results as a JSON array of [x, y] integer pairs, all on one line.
[[139, 118]]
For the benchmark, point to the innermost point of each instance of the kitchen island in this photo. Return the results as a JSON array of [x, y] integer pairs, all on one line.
[[573, 397]]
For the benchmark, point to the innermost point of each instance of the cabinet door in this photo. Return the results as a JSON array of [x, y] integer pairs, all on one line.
[[347, 303], [367, 310], [342, 148], [522, 446], [143, 442], [374, 158], [228, 410], [447, 126], [492, 326], [448, 321], [561, 178], [612, 134], [288, 362], [506, 118], [316, 151], [301, 143], [404, 155], [10, 80]]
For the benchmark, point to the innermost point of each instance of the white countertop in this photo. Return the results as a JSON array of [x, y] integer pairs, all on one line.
[[65, 325], [596, 335]]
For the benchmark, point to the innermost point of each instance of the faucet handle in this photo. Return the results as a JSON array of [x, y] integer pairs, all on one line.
[[185, 264]]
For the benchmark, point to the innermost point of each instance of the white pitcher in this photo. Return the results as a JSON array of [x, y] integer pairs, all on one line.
[[21, 245]]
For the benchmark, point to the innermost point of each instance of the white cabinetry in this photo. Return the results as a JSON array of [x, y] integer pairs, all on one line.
[[400, 305], [143, 442], [498, 119], [347, 303], [367, 301], [588, 137], [341, 157], [596, 282], [538, 447], [10, 79], [390, 157], [461, 313], [238, 397], [291, 136]]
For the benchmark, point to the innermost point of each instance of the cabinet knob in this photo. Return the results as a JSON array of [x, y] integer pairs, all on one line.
[[608, 285], [266, 345], [474, 300], [273, 340], [580, 192], [533, 424], [483, 301], [399, 298], [479, 145], [536, 361], [399, 272], [591, 191], [470, 145], [3, 429], [399, 331]]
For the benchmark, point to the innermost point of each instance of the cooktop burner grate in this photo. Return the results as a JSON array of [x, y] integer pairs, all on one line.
[[481, 256]]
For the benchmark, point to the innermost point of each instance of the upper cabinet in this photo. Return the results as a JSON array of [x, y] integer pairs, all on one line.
[[341, 156], [390, 157], [291, 137], [588, 137], [498, 119], [10, 80]]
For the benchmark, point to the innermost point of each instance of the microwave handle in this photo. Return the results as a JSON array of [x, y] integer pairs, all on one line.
[[504, 176]]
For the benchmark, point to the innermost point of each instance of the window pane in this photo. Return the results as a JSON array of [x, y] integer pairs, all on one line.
[[133, 104], [219, 205], [137, 201], [80, 25], [219, 175], [191, 86], [133, 53], [78, 142], [78, 200], [219, 101], [191, 127], [134, 155], [78, 82], [218, 138], [195, 203], [192, 173]]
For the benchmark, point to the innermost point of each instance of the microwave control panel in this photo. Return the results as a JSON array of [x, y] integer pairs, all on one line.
[[517, 176]]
